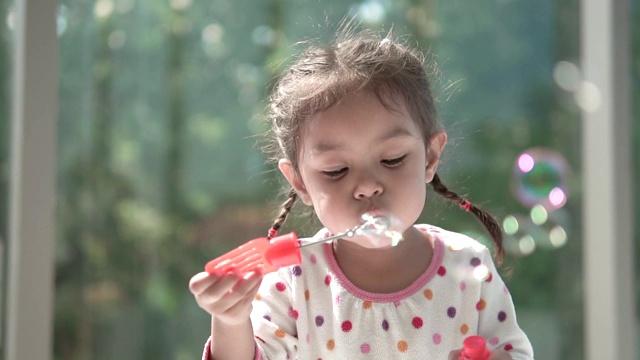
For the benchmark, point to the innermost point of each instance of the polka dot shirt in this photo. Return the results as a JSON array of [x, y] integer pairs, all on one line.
[[313, 311]]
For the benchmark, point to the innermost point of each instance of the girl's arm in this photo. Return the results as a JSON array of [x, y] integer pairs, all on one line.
[[228, 297], [231, 341], [498, 323]]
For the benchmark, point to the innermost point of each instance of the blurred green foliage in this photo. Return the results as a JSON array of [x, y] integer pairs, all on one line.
[[158, 170]]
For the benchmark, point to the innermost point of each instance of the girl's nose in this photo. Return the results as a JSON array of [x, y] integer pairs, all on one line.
[[368, 187]]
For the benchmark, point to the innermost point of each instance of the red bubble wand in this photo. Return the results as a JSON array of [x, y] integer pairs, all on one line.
[[474, 348], [268, 255]]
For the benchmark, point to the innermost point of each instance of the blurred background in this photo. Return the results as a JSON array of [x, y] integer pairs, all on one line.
[[157, 171]]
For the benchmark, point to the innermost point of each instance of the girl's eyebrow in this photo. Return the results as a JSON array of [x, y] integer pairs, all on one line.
[[396, 132]]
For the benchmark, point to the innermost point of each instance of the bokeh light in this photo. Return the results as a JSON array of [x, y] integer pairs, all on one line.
[[370, 11], [588, 96], [567, 76], [540, 230], [541, 177], [103, 8], [61, 20], [520, 233]]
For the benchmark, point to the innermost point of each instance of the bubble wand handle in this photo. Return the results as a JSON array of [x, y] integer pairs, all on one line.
[[261, 254], [474, 348]]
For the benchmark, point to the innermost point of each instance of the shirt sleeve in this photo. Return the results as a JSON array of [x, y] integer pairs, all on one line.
[[274, 318], [497, 322]]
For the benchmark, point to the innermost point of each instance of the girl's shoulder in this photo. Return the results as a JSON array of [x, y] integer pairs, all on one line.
[[453, 241]]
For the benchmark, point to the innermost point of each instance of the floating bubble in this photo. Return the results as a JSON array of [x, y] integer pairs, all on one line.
[[557, 236], [540, 177], [539, 230], [379, 226], [539, 214], [520, 232], [556, 229]]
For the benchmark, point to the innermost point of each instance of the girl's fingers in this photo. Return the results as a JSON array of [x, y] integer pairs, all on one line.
[[237, 304], [200, 282], [225, 292], [500, 354], [454, 355], [249, 283]]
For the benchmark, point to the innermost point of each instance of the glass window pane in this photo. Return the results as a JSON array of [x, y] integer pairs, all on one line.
[[158, 171]]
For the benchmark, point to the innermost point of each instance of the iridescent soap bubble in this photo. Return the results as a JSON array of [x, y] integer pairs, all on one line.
[[539, 229], [541, 176], [520, 235], [379, 228], [556, 227]]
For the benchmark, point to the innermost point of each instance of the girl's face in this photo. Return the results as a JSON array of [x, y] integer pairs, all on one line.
[[360, 156]]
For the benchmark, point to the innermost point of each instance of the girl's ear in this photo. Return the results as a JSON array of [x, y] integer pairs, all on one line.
[[436, 145], [289, 172]]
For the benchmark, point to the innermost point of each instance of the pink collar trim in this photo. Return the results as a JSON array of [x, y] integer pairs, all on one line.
[[417, 285]]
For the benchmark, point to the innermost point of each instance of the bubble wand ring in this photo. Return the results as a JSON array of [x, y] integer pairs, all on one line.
[[267, 255]]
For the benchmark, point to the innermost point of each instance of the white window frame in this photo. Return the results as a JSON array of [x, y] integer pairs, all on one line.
[[608, 191], [31, 235], [610, 319]]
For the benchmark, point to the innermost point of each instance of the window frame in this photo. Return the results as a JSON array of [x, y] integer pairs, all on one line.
[[28, 306], [607, 147]]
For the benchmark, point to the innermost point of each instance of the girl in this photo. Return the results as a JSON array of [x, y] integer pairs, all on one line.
[[355, 130]]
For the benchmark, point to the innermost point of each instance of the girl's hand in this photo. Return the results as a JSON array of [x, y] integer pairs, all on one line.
[[497, 354], [227, 297]]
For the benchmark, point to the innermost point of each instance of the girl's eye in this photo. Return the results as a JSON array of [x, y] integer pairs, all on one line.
[[335, 173], [395, 161]]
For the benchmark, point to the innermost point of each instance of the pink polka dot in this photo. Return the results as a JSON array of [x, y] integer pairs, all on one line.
[[347, 326], [508, 347], [293, 313], [281, 286], [489, 278], [442, 271], [463, 286], [494, 341], [327, 280], [313, 259], [417, 322], [397, 303], [437, 338], [365, 348], [338, 300]]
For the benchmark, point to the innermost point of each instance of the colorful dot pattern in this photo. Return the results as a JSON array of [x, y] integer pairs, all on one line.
[[312, 311]]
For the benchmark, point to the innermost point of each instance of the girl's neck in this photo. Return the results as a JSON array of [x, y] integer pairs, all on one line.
[[385, 270]]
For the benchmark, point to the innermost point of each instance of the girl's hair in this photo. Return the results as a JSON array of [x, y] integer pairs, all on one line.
[[322, 75]]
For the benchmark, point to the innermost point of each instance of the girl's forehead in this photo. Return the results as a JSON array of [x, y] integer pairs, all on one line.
[[360, 117]]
